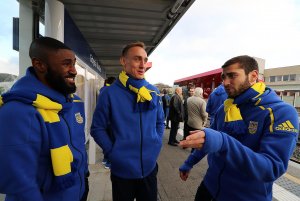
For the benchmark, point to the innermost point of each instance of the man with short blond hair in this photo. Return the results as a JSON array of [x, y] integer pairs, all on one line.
[[131, 109]]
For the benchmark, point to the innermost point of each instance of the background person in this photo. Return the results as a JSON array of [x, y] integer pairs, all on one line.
[[197, 115], [176, 115], [131, 109], [190, 93], [42, 138], [107, 83], [245, 145], [166, 104], [215, 100]]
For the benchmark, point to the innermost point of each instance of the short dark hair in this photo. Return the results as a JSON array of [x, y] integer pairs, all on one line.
[[135, 44], [246, 62], [110, 80], [40, 47], [191, 85]]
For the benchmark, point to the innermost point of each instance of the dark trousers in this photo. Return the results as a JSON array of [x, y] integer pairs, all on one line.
[[166, 111], [203, 194], [173, 131], [140, 189], [186, 131]]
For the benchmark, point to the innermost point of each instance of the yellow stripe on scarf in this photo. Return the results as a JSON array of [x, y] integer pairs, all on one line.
[[123, 78], [1, 101], [61, 159], [47, 108], [232, 112], [143, 94], [259, 87]]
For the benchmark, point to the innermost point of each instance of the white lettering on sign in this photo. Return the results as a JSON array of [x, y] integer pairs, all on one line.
[[95, 63]]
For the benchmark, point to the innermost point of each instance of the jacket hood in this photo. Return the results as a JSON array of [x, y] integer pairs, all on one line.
[[30, 84]]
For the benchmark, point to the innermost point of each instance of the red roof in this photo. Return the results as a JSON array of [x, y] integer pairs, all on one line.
[[212, 72]]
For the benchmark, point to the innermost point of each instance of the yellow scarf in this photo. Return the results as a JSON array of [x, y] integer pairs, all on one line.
[[143, 94], [232, 112]]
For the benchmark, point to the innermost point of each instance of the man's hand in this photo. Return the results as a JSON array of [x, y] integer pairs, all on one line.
[[195, 140], [184, 175]]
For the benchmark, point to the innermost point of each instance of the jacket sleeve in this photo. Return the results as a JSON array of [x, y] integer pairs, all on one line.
[[20, 142], [192, 160], [100, 124], [177, 105], [209, 105], [267, 163]]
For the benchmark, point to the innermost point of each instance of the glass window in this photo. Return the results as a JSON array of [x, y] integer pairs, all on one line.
[[286, 77], [80, 79], [272, 78], [293, 77], [279, 78]]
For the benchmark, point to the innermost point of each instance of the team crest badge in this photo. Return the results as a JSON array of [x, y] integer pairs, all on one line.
[[79, 118], [252, 127]]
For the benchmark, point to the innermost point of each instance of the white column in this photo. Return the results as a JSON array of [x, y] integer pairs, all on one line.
[[87, 102], [54, 19], [25, 35]]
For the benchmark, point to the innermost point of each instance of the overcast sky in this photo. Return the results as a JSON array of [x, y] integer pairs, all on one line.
[[9, 62], [211, 32]]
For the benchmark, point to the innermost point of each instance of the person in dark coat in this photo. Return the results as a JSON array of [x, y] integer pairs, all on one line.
[[176, 115]]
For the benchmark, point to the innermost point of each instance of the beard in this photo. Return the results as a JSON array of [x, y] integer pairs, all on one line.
[[58, 82], [241, 88]]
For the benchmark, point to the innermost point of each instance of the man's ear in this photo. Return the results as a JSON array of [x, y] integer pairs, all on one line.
[[122, 61], [253, 76], [38, 65]]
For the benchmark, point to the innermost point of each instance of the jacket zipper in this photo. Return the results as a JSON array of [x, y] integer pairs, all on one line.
[[141, 144]]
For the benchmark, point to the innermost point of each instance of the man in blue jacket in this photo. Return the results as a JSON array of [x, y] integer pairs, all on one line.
[[215, 100], [131, 109], [42, 141], [250, 142]]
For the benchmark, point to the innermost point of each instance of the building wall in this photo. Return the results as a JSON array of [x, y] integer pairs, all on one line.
[[286, 81], [285, 78]]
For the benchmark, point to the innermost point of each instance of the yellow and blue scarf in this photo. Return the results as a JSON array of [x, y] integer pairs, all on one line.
[[61, 155], [233, 122], [146, 99]]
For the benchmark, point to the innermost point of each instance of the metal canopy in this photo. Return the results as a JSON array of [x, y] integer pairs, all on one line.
[[108, 25]]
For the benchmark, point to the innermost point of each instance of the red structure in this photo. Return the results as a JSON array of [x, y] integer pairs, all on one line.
[[208, 80]]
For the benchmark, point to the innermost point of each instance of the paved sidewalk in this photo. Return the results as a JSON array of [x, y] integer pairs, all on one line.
[[170, 186]]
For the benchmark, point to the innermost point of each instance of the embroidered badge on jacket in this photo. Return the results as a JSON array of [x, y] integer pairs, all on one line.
[[79, 118], [253, 127]]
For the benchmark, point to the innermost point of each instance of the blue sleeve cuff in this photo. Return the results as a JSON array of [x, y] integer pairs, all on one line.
[[213, 141]]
